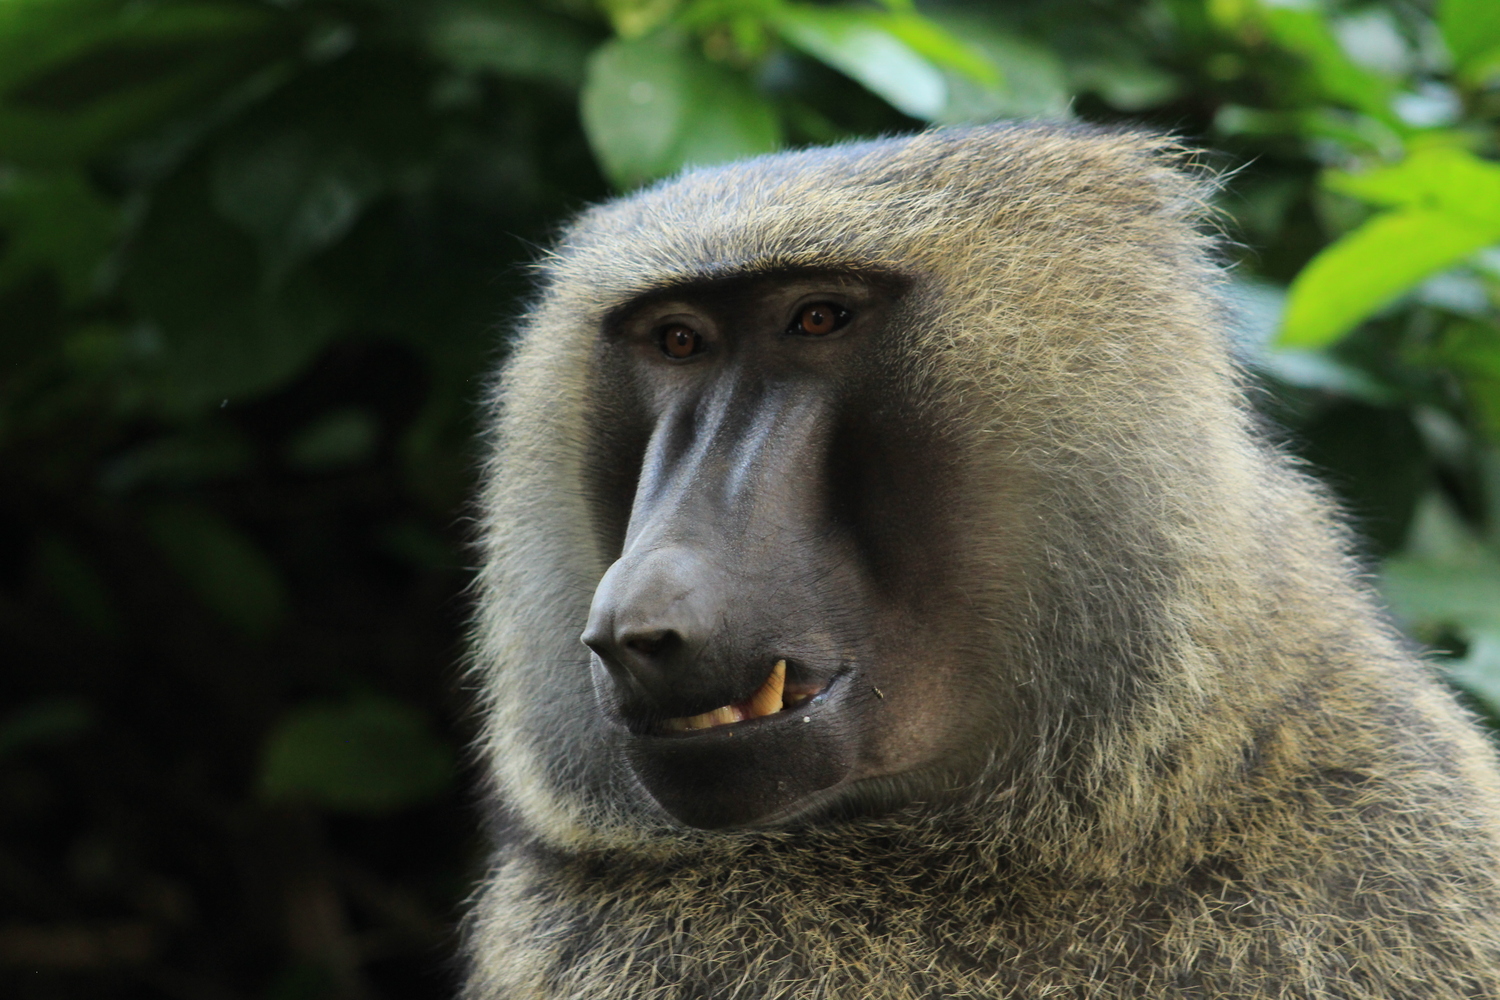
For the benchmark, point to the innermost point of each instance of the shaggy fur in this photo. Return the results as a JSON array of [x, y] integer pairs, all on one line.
[[1217, 772]]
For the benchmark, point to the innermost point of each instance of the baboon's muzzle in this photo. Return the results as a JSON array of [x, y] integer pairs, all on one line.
[[713, 626]]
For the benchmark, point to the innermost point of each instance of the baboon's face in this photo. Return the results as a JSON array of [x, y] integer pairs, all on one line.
[[778, 627]]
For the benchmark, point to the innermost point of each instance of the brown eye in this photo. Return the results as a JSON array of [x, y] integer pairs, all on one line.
[[680, 341], [820, 319]]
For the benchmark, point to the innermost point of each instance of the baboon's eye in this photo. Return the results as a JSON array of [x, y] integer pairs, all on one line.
[[678, 340], [819, 319]]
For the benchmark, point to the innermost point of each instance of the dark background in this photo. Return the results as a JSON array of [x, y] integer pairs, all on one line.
[[256, 264]]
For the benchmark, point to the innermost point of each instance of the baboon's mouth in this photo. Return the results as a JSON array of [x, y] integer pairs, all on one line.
[[777, 694]]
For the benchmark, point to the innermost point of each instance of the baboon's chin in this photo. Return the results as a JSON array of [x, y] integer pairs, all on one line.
[[751, 772]]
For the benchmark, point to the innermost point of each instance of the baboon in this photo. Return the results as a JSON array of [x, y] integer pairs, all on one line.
[[948, 627]]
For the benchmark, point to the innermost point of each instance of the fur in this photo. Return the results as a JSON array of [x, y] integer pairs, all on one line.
[[1217, 772]]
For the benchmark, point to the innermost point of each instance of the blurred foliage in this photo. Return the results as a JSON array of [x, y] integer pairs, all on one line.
[[366, 755], [254, 260]]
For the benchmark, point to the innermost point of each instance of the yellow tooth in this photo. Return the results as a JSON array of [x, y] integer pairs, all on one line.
[[721, 716], [767, 700]]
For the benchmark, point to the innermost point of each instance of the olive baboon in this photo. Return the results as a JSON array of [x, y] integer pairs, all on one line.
[[952, 633]]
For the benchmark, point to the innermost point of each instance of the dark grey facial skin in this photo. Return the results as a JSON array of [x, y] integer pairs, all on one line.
[[780, 507]]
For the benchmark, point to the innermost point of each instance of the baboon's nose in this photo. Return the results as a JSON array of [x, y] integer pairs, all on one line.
[[652, 616]]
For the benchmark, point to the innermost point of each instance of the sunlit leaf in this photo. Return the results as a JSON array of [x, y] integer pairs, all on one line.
[[1033, 82], [367, 755], [635, 18], [1440, 177], [226, 570], [654, 105], [930, 40], [1372, 38], [1306, 32], [861, 45], [1372, 266], [1471, 29]]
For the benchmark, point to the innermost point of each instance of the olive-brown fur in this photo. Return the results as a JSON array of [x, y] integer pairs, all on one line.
[[1213, 770]]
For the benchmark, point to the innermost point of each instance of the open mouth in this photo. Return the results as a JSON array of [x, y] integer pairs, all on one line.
[[775, 695]]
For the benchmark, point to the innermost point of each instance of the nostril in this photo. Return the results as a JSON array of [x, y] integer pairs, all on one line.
[[652, 644]]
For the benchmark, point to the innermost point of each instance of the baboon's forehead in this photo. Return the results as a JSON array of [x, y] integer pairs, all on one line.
[[939, 202]]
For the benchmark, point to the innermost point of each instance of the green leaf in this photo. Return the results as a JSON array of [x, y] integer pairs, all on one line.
[[1471, 28], [56, 221], [218, 330], [1460, 591], [1372, 265], [654, 105], [862, 45], [930, 40], [230, 575], [79, 75], [1360, 133], [1439, 592], [510, 39], [293, 190], [636, 18], [1033, 82], [337, 440], [1479, 672], [1305, 32], [200, 454], [1319, 370], [1438, 177], [1126, 83], [369, 755], [53, 720], [1472, 348], [73, 577]]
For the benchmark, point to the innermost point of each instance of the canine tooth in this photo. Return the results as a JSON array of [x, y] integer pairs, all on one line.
[[767, 700]]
